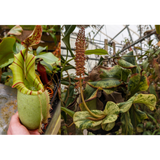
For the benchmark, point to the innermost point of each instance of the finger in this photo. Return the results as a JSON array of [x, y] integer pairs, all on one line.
[[15, 118], [34, 132]]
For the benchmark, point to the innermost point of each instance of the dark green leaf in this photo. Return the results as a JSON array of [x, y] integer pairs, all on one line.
[[68, 111], [6, 49], [127, 127], [66, 38], [105, 83], [129, 57]]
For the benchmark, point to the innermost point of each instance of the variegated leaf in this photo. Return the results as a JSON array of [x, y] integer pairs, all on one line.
[[125, 64], [108, 126], [111, 108], [148, 99], [105, 83], [110, 118], [124, 106]]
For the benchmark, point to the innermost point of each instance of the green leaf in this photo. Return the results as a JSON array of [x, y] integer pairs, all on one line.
[[69, 94], [138, 83], [125, 64], [152, 89], [7, 63], [81, 120], [105, 83], [6, 50], [66, 38], [48, 58], [87, 124], [18, 48], [92, 104], [96, 52], [83, 115], [114, 72], [148, 99], [124, 106], [137, 116], [108, 126], [40, 49], [110, 118], [127, 127], [111, 108], [88, 91], [68, 111], [129, 57]]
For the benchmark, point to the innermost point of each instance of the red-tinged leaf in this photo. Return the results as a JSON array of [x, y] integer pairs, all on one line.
[[42, 71], [16, 30]]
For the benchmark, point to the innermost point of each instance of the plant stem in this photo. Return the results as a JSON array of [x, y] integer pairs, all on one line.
[[94, 115]]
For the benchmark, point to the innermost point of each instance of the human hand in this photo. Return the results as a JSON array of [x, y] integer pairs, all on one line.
[[16, 128]]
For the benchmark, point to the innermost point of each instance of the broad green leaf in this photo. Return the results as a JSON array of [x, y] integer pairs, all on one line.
[[129, 57], [48, 67], [7, 63], [68, 111], [83, 115], [138, 83], [125, 64], [127, 127], [96, 52], [87, 124], [40, 49], [144, 84], [124, 106], [110, 118], [92, 105], [148, 99], [108, 91], [88, 91], [81, 120], [111, 108], [101, 60], [152, 89], [6, 50], [18, 48], [114, 72], [48, 58], [108, 126], [137, 116], [105, 83], [29, 84]]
